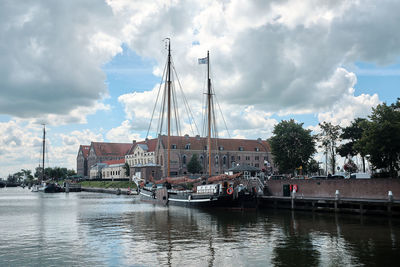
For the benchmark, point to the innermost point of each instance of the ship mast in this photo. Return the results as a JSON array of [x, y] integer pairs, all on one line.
[[169, 109], [43, 150], [209, 111]]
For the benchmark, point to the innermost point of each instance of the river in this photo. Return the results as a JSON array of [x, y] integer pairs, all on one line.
[[91, 229]]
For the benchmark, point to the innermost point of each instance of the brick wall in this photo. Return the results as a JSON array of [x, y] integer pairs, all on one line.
[[349, 188]]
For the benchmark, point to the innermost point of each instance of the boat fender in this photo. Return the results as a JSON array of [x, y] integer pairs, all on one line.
[[295, 187], [229, 191]]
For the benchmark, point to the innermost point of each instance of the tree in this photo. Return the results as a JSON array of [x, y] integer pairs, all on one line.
[[329, 137], [291, 145], [353, 133], [127, 169], [312, 166], [194, 165], [381, 138]]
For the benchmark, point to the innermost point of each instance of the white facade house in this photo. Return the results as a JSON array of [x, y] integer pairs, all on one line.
[[141, 155], [114, 170]]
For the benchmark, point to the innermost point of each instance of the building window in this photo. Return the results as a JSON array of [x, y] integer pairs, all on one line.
[[221, 148], [173, 146], [257, 165], [184, 159], [266, 158], [224, 160], [233, 158], [257, 149], [187, 146], [256, 158], [238, 157], [216, 160], [240, 148], [247, 157]]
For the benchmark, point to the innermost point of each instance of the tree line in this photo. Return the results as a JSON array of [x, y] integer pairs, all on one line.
[[56, 173], [376, 139]]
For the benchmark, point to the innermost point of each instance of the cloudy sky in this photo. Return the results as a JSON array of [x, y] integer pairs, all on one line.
[[90, 69]]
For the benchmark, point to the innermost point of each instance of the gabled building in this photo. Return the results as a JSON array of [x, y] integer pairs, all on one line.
[[142, 153], [101, 152], [82, 161]]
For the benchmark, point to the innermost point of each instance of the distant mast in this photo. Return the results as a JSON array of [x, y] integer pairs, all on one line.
[[209, 111], [169, 108], [43, 151]]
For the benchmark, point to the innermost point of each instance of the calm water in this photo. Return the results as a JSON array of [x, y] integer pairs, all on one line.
[[89, 229]]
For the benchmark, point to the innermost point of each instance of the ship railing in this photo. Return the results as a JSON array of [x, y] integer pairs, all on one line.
[[179, 191]]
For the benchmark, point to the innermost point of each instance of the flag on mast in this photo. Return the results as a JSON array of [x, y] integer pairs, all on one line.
[[203, 60]]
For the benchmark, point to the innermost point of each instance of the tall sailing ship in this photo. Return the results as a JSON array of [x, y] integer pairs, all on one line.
[[218, 191]]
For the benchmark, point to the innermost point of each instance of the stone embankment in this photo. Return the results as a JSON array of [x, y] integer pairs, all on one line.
[[116, 191]]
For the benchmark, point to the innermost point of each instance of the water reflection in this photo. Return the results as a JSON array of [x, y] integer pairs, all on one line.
[[107, 230]]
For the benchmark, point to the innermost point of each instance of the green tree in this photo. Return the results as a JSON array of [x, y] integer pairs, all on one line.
[[353, 133], [291, 145], [194, 165], [312, 166], [127, 169], [381, 138], [329, 137]]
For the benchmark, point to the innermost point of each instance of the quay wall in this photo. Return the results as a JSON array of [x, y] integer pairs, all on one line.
[[116, 191], [348, 188]]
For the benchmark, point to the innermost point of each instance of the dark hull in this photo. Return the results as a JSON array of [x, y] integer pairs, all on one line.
[[199, 200], [53, 189]]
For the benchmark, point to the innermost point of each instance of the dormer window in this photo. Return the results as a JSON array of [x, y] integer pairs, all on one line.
[[257, 149], [187, 146], [240, 148], [173, 146], [221, 148]]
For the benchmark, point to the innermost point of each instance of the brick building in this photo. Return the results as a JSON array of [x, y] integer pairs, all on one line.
[[226, 153], [82, 161], [100, 152]]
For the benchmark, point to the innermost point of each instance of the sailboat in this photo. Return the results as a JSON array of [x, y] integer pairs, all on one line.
[[42, 185], [219, 191]]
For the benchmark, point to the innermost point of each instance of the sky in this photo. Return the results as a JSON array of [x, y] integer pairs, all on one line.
[[90, 69]]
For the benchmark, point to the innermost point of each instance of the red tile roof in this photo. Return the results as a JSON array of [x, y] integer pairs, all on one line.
[[151, 145], [85, 150], [111, 149]]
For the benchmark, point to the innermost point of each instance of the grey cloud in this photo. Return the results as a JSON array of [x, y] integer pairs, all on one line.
[[46, 65]]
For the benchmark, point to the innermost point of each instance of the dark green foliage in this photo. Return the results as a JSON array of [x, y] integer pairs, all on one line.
[[194, 165], [56, 173], [381, 138], [127, 169], [353, 134], [312, 166], [291, 145]]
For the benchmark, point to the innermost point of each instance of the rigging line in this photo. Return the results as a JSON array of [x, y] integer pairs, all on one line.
[[162, 111], [222, 115], [155, 104], [186, 103], [175, 108], [175, 104]]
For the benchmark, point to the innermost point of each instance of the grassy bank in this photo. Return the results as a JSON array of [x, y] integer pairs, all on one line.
[[108, 184]]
